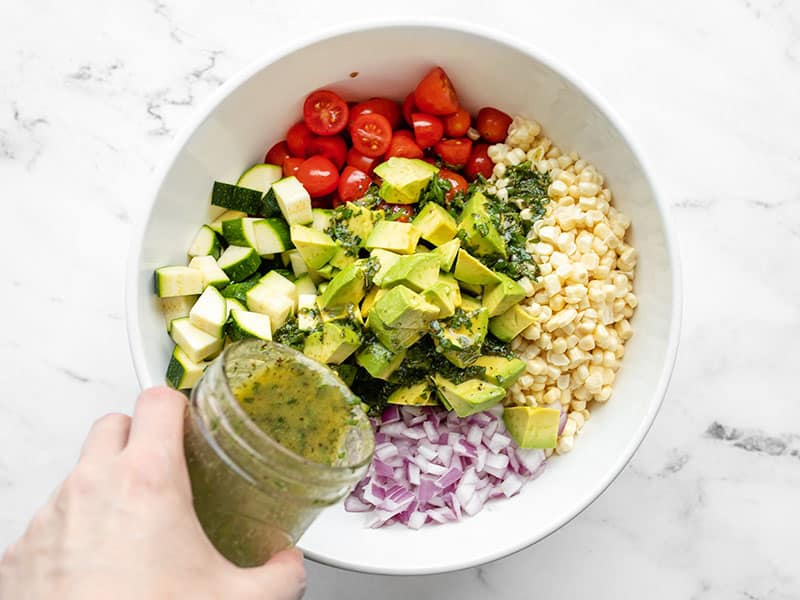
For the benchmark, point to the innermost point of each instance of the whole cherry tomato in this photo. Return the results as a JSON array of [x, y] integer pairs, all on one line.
[[454, 152], [457, 182], [325, 112], [435, 94], [456, 125], [409, 108], [332, 147], [298, 138], [318, 175], [403, 145], [353, 184], [277, 154], [371, 134], [382, 106], [427, 129], [479, 162], [492, 124], [359, 161], [291, 165]]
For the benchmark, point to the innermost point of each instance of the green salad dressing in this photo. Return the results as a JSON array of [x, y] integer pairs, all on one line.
[[291, 405]]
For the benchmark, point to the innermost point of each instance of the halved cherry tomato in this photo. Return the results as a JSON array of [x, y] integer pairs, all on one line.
[[454, 152], [479, 162], [403, 145], [435, 94], [277, 154], [398, 212], [383, 106], [318, 175], [427, 129], [290, 166], [359, 161], [492, 124], [353, 184], [371, 134], [456, 125], [457, 182], [298, 138], [332, 147], [325, 112], [409, 108]]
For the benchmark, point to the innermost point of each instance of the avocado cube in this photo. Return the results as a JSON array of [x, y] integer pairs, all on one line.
[[314, 246], [533, 427], [386, 261], [498, 298], [455, 290], [369, 300], [360, 220], [415, 271], [469, 304], [500, 370], [460, 339], [327, 272], [481, 236], [417, 394], [447, 253], [440, 295], [342, 259], [347, 287], [332, 343], [379, 361], [395, 236], [435, 224], [399, 318], [472, 396], [472, 271], [511, 323], [404, 179]]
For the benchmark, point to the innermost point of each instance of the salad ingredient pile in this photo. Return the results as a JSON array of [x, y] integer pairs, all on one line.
[[445, 266]]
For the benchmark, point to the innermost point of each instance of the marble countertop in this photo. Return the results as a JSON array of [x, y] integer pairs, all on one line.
[[92, 92]]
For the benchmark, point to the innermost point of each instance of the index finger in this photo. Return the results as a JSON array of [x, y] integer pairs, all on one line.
[[158, 420]]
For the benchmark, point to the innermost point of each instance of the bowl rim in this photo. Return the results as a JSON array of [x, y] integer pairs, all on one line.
[[204, 110]]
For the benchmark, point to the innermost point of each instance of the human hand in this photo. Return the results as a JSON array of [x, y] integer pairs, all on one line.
[[122, 525]]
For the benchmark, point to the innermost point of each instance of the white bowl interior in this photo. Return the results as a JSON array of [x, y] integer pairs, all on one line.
[[255, 110]]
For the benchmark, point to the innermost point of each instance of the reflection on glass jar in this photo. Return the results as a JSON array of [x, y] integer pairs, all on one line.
[[271, 438]]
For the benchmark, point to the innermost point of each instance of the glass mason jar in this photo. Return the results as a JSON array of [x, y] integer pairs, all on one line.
[[253, 496]]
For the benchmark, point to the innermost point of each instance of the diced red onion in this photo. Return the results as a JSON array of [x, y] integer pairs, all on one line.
[[562, 422], [431, 466]]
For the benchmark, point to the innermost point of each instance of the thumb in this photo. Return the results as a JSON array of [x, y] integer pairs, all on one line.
[[283, 577]]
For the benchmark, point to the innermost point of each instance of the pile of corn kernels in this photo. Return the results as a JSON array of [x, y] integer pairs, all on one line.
[[584, 298]]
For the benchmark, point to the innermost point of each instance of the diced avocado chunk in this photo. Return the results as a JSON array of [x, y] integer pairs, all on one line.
[[480, 234], [348, 287], [470, 270], [468, 303], [417, 394], [385, 260], [404, 179], [360, 221], [460, 338], [511, 323], [395, 236], [500, 370], [326, 272], [498, 298], [472, 289], [378, 360], [472, 396], [415, 271], [399, 318], [436, 225], [447, 253], [533, 427], [314, 246], [342, 259], [369, 300], [332, 343], [440, 294], [455, 289]]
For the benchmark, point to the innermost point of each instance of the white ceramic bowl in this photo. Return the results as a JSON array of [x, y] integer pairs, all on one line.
[[254, 109]]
